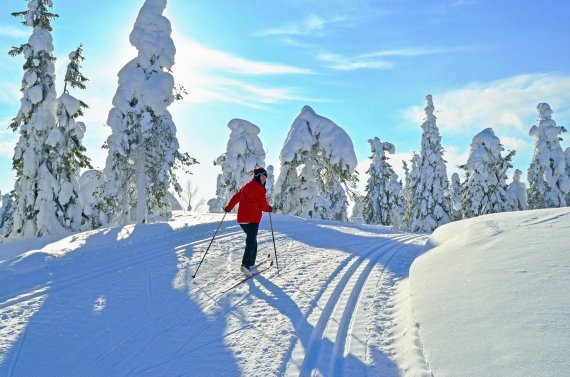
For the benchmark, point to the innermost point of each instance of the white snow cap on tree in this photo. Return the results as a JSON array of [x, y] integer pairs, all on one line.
[[316, 160], [548, 179], [429, 204], [516, 193], [485, 188], [244, 153]]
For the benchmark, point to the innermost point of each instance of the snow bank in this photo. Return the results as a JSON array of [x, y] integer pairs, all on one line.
[[491, 296]]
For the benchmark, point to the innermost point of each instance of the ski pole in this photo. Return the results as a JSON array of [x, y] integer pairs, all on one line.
[[274, 247], [219, 225]]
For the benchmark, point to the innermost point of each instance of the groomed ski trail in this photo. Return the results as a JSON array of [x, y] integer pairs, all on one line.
[[335, 342]]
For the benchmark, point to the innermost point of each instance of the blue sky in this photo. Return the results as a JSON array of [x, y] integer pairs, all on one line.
[[366, 65]]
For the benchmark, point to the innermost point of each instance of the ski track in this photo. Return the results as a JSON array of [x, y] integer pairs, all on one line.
[[326, 341], [335, 320]]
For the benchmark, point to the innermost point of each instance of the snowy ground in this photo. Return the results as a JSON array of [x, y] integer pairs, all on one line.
[[122, 302]]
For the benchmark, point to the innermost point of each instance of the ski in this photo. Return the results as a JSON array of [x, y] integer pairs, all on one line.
[[265, 260], [247, 278]]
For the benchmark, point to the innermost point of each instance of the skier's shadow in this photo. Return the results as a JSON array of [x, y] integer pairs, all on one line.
[[281, 301]]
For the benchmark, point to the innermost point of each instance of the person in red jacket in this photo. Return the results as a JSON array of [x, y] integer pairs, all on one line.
[[252, 202]]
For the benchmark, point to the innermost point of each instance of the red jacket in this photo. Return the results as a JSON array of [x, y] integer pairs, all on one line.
[[252, 200]]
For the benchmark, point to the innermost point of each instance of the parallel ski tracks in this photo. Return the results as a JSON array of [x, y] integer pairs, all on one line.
[[325, 356]]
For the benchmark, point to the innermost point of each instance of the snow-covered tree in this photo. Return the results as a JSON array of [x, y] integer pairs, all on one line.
[[317, 167], [411, 179], [143, 148], [516, 193], [398, 209], [548, 179], [455, 190], [66, 150], [381, 196], [357, 215], [485, 186], [36, 188], [270, 182], [244, 153], [6, 210], [429, 203]]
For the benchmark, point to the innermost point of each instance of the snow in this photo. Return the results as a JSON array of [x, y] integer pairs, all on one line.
[[494, 289], [486, 297], [309, 126], [244, 153]]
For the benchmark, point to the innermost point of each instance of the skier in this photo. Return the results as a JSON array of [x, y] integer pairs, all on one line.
[[252, 201]]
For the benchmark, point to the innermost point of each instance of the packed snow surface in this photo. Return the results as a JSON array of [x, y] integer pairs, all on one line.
[[489, 298]]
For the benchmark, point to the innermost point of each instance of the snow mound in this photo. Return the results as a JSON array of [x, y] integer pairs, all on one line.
[[491, 296]]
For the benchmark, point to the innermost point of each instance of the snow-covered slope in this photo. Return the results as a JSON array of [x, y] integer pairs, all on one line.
[[121, 301], [492, 296]]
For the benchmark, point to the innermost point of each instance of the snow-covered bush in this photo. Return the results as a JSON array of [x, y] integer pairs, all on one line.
[[94, 209], [244, 152], [516, 193], [6, 210], [317, 167], [455, 189], [485, 186], [381, 190], [143, 148], [428, 205], [357, 215], [548, 179]]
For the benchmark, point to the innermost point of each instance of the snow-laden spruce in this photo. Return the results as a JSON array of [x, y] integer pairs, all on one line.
[[382, 190], [485, 186], [428, 205], [516, 193], [548, 179], [36, 189], [65, 144], [244, 153], [317, 167], [143, 148], [455, 189]]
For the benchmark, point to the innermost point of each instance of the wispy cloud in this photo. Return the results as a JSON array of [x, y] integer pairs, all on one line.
[[218, 76], [310, 25], [345, 63], [416, 51], [369, 60], [11, 31], [197, 55], [508, 105]]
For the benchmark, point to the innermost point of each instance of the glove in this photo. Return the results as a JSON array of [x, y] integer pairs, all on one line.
[[270, 209], [227, 210]]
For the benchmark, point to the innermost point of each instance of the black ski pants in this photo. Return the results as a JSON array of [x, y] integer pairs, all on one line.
[[250, 252]]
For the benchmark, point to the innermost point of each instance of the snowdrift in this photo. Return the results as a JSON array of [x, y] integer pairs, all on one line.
[[491, 296]]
